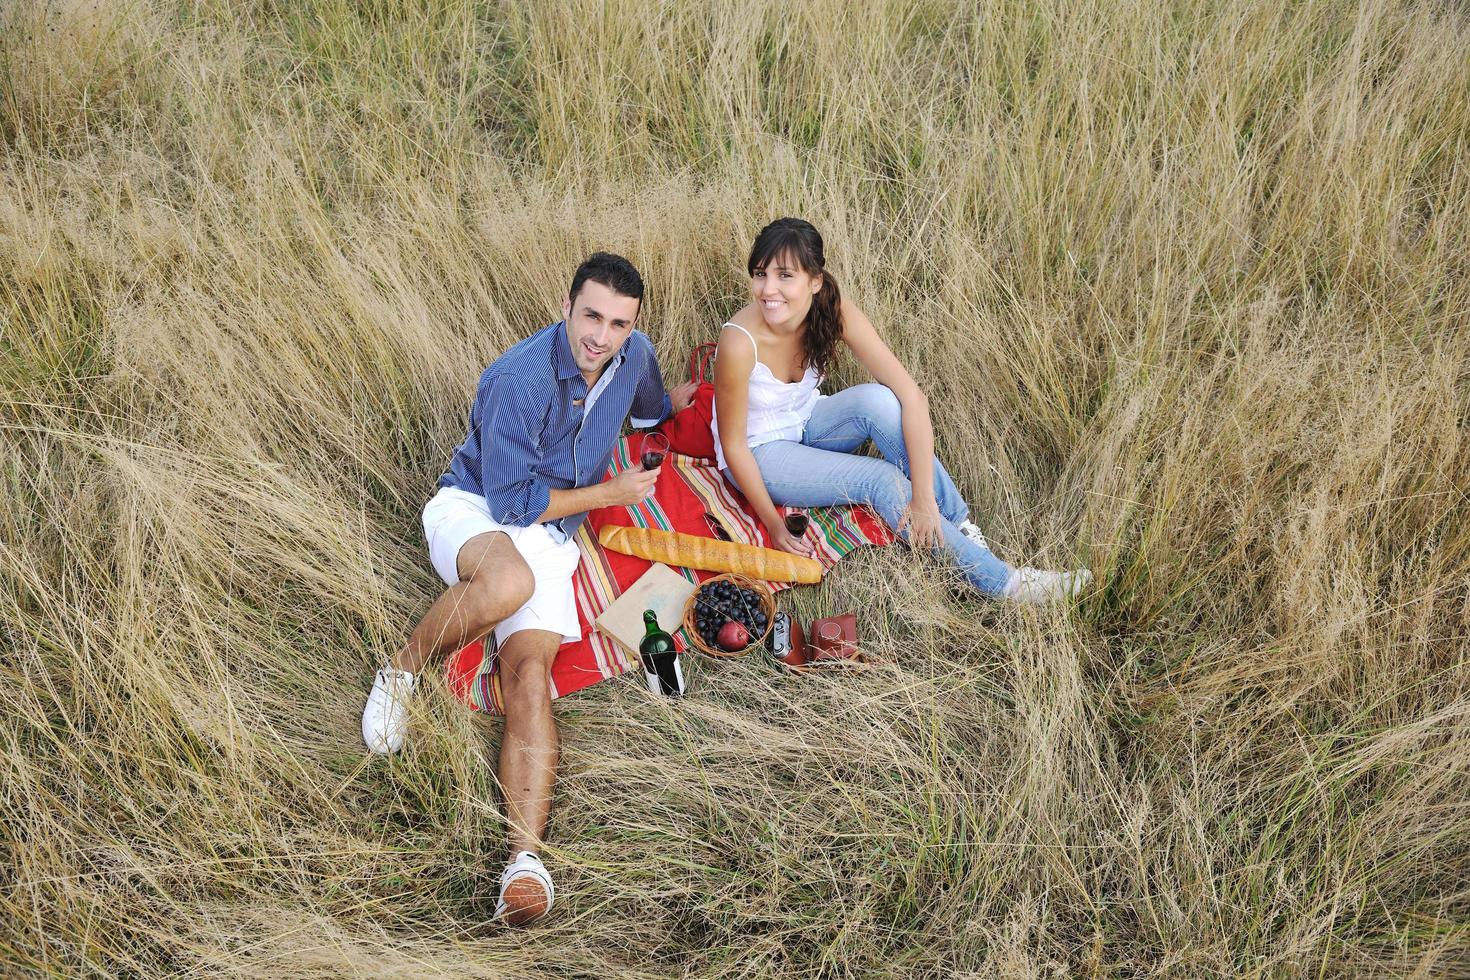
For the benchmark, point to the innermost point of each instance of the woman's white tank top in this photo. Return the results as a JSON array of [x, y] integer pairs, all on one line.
[[777, 409]]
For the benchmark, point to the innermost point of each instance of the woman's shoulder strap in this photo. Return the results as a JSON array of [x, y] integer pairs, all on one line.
[[732, 323]]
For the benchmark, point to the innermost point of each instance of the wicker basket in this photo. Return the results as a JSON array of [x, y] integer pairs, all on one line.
[[768, 604]]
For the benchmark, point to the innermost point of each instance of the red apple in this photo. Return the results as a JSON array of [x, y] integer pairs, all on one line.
[[733, 636]]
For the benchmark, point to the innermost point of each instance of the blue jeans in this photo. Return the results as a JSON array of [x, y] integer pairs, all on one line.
[[822, 469]]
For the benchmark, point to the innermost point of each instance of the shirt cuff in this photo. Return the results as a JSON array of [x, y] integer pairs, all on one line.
[[538, 497], [668, 410]]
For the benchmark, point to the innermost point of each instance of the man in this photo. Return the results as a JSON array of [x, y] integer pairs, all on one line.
[[546, 416]]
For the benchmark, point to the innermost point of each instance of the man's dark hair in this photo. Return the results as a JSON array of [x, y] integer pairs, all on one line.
[[612, 271]]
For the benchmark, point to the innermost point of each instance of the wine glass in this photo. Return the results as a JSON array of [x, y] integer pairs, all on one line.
[[797, 523], [655, 448]]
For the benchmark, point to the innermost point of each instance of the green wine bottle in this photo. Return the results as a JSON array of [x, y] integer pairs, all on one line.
[[661, 668]]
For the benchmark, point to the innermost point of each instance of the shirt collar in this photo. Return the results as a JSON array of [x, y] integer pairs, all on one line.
[[566, 364]]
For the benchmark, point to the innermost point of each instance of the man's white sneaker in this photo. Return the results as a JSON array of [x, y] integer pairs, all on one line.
[[525, 890], [971, 531], [385, 719], [1036, 586]]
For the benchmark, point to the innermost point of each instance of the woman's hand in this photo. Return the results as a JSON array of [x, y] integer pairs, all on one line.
[[925, 526], [784, 540]]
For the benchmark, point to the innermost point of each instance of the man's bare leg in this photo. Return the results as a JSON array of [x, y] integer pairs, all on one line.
[[529, 747], [528, 757], [494, 581]]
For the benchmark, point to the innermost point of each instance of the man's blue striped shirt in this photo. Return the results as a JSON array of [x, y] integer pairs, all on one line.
[[535, 427]]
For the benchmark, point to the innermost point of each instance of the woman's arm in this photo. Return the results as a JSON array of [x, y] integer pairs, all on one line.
[[918, 430], [734, 360]]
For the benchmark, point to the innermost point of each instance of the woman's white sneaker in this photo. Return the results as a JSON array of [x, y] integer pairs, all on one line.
[[385, 719], [971, 531], [1037, 586]]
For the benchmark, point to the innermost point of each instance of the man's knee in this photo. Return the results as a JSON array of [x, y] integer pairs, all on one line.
[[499, 592], [525, 669], [529, 675], [517, 584]]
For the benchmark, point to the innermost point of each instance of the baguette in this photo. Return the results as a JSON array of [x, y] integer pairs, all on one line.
[[696, 551]]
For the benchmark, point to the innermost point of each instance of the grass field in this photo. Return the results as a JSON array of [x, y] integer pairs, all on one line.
[[1187, 283]]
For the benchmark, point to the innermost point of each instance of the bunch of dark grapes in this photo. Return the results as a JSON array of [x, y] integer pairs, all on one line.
[[717, 603]]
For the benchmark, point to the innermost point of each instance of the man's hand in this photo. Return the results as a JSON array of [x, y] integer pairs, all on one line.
[[631, 487], [682, 396]]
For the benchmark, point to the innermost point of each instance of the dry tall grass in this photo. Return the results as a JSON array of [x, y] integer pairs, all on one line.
[[1187, 284]]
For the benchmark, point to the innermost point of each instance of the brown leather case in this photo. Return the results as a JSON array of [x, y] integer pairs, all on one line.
[[799, 652], [843, 647]]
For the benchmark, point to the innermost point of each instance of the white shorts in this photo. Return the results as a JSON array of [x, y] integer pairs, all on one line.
[[454, 516]]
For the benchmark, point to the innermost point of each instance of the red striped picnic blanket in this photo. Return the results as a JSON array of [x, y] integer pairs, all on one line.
[[686, 489]]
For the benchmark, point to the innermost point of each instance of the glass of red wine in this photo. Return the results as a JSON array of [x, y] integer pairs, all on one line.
[[796, 523], [655, 448]]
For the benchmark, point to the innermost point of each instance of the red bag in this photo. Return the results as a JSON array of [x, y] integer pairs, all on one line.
[[689, 431]]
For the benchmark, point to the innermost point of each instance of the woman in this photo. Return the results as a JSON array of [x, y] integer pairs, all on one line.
[[782, 442]]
